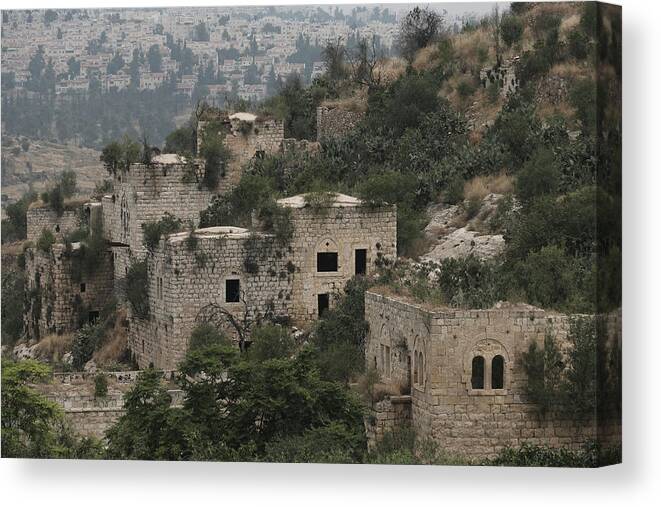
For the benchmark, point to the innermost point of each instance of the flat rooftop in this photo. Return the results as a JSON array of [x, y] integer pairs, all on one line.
[[334, 201]]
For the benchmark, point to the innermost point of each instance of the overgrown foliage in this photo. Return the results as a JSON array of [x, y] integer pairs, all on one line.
[[137, 289], [154, 231], [592, 455]]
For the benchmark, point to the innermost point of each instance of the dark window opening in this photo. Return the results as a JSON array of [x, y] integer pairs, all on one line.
[[92, 316], [322, 303], [477, 375], [326, 261], [143, 346], [260, 154], [497, 372], [361, 261], [232, 291], [57, 228], [83, 287]]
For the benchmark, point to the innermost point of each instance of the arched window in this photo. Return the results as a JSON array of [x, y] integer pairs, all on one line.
[[497, 372], [477, 373], [421, 369]]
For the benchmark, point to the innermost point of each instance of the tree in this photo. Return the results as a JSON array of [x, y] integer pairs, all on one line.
[[270, 342], [200, 32], [116, 64], [68, 183], [334, 54], [511, 29], [33, 427], [154, 58], [73, 67], [419, 28]]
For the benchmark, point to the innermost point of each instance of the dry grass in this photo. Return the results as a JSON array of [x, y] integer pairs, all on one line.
[[571, 71], [356, 103], [481, 186], [116, 342], [54, 346], [425, 58], [474, 50], [546, 110], [568, 24], [390, 69]]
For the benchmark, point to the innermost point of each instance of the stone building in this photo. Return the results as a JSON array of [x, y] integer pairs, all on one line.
[[233, 277], [62, 294], [43, 217], [503, 75], [460, 375], [245, 135]]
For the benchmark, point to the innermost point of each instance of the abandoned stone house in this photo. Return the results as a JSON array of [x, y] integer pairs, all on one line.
[[461, 377], [230, 274]]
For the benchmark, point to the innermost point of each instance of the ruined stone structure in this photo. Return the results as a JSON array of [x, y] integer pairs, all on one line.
[[62, 294], [246, 136], [89, 415], [229, 275], [462, 368], [502, 74], [144, 193], [335, 122], [40, 218]]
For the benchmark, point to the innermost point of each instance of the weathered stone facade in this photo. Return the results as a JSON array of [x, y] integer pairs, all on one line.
[[189, 284], [145, 193], [245, 136], [87, 414], [61, 296], [431, 351], [45, 217], [335, 122]]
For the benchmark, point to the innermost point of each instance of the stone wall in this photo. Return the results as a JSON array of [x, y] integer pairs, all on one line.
[[335, 122], [431, 350], [91, 416], [40, 218], [145, 193], [187, 286], [386, 416], [58, 299], [245, 136]]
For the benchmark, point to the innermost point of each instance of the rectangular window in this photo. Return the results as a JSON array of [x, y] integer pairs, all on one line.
[[326, 262], [232, 291], [361, 261], [83, 287], [322, 303]]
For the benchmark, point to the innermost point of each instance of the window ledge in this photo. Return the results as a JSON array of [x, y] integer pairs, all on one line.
[[487, 392]]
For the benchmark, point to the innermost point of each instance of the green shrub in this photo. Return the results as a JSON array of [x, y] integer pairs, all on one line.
[[85, 342], [153, 231], [578, 44], [137, 289], [100, 386], [468, 282], [511, 29], [531, 455], [583, 98], [206, 335], [216, 156], [14, 227], [466, 88], [539, 176], [45, 241], [454, 193], [270, 341]]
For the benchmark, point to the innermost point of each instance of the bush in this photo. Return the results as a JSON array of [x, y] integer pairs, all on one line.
[[578, 44], [531, 455], [539, 176], [85, 342], [216, 155], [583, 98], [153, 231], [14, 227], [511, 29], [206, 335], [54, 198], [270, 341], [68, 183], [454, 193], [468, 282], [45, 241], [100, 386], [137, 289]]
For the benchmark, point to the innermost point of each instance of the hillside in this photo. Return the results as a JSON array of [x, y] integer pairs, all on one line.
[[42, 164]]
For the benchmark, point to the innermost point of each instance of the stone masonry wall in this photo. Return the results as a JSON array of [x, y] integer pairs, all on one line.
[[91, 416], [439, 346], [188, 287], [144, 194], [42, 218], [57, 301], [335, 122], [386, 416]]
